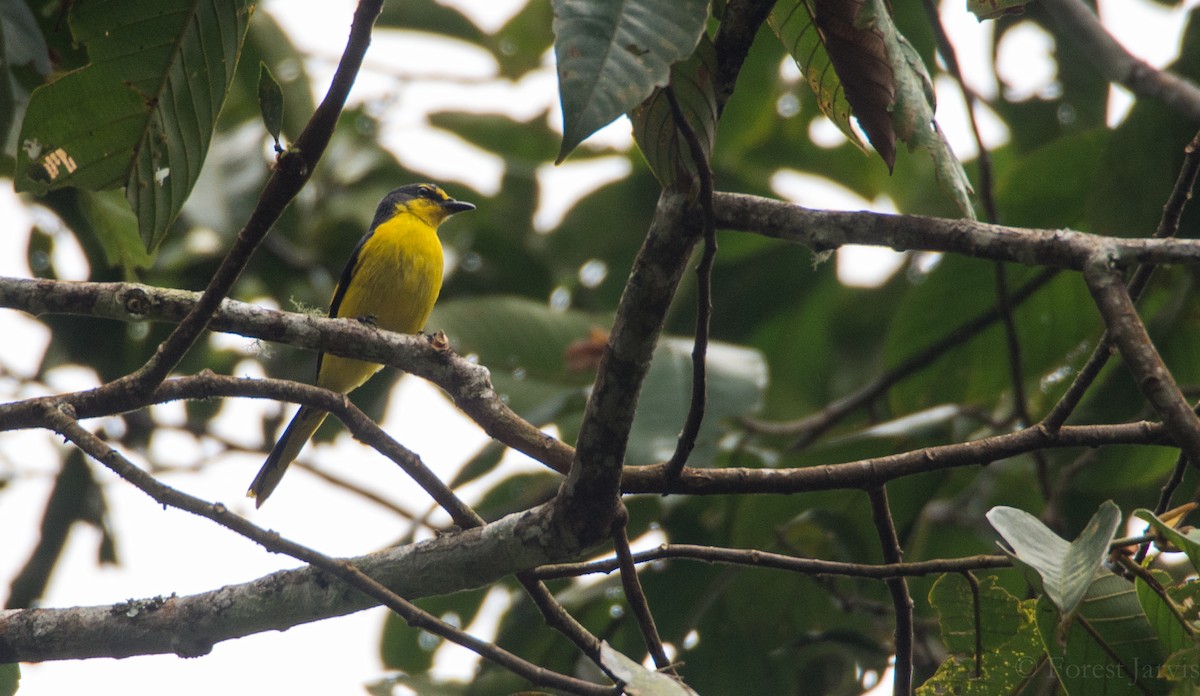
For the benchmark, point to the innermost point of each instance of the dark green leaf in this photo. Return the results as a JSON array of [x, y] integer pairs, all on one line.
[[912, 113], [142, 113], [737, 378], [994, 9], [25, 57], [1050, 185], [613, 53], [270, 102], [116, 227]]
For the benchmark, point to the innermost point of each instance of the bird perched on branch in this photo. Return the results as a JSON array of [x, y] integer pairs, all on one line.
[[392, 280]]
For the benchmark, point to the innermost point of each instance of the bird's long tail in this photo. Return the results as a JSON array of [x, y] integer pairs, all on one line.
[[303, 425]]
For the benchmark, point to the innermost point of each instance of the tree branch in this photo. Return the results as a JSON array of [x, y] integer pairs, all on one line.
[[825, 229], [61, 420], [865, 474], [695, 417], [1168, 226], [1076, 21], [588, 498], [189, 626], [468, 386], [635, 596], [1153, 378]]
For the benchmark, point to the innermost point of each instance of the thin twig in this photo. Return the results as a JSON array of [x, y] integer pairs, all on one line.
[[64, 423], [765, 559], [558, 618], [1172, 483], [635, 596], [361, 491], [1016, 373], [881, 513], [695, 416], [1051, 248]]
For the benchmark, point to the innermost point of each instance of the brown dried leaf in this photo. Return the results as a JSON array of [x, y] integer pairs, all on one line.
[[859, 55]]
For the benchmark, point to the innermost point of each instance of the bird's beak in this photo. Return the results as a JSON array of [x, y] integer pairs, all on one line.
[[452, 206]]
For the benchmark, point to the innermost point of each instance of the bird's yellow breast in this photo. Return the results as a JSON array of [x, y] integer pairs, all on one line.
[[396, 280]]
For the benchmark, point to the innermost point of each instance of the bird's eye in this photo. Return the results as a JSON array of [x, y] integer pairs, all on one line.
[[427, 192]]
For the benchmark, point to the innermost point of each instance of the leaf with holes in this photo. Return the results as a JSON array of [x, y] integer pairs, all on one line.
[[142, 113], [611, 55], [990, 635]]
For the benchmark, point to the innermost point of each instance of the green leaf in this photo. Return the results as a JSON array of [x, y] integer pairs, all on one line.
[[1108, 648], [525, 344], [612, 54], [142, 113], [270, 103], [1052, 324], [654, 127], [1065, 568], [793, 23], [1183, 666], [115, 226], [1049, 186], [1188, 543], [1008, 639], [10, 679], [516, 335], [639, 681], [1173, 633]]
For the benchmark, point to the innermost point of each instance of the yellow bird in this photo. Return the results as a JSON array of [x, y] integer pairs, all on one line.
[[392, 279]]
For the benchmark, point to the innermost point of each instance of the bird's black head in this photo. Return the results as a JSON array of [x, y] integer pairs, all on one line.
[[426, 201]]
